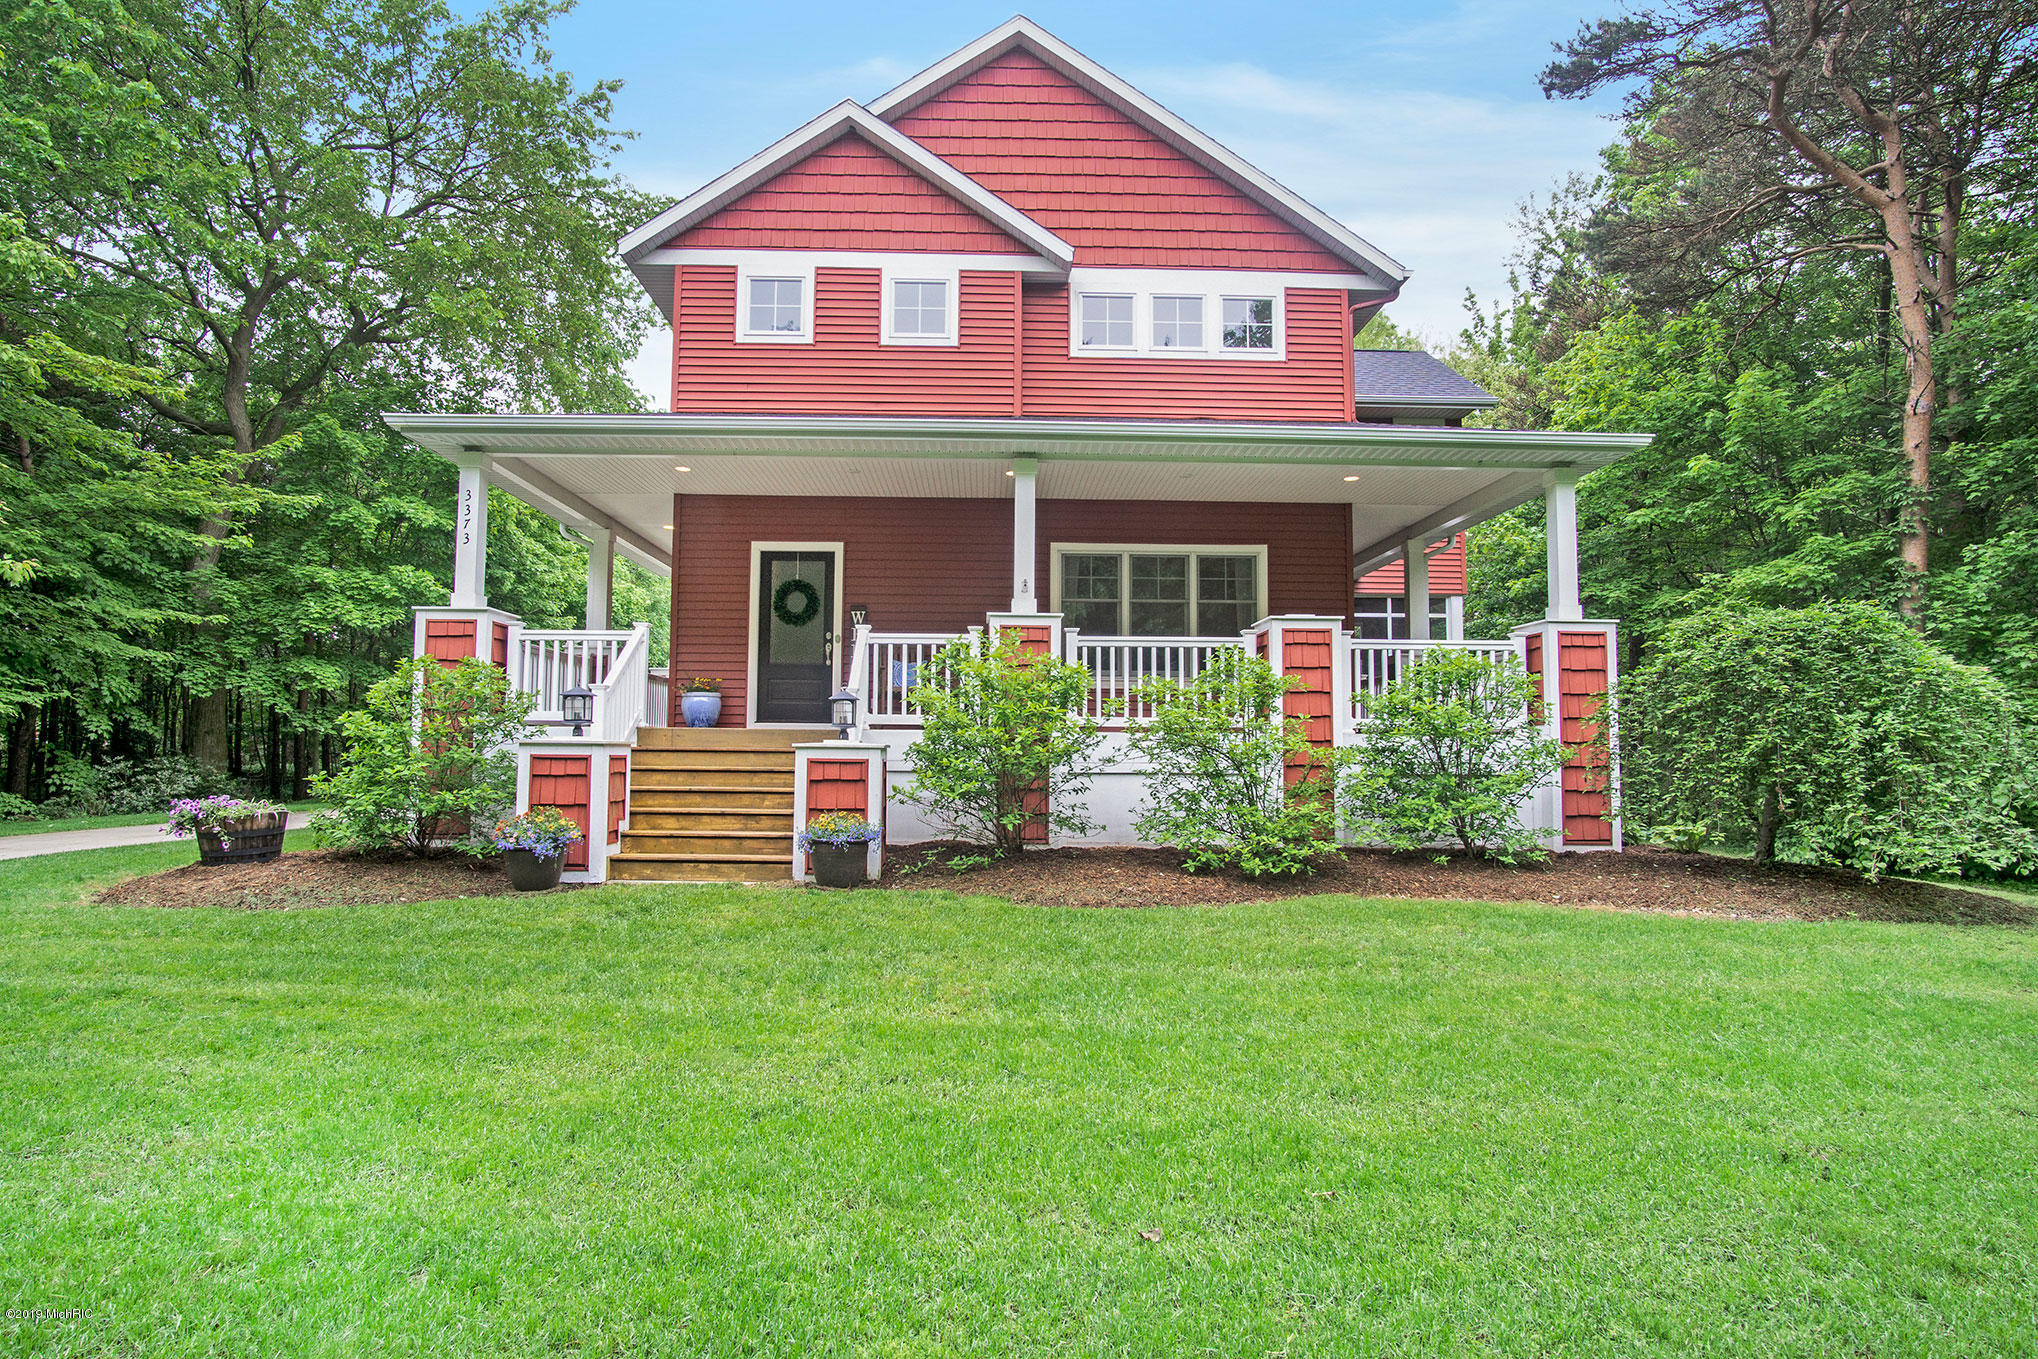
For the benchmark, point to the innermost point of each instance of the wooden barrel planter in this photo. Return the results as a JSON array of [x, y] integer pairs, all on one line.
[[252, 839]]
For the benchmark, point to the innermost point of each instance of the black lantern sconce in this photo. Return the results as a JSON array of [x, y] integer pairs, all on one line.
[[576, 707]]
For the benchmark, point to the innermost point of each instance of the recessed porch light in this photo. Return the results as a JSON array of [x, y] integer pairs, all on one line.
[[682, 469], [665, 526], [1010, 473], [1352, 478]]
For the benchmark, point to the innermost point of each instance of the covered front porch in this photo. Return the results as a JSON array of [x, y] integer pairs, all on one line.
[[807, 554]]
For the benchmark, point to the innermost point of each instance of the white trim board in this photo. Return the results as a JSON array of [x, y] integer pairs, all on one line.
[[861, 259], [845, 117], [1020, 32]]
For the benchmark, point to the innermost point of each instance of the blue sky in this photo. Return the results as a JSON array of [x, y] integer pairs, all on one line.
[[1419, 125]]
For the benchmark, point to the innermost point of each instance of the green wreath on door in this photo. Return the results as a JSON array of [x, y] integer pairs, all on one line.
[[781, 606]]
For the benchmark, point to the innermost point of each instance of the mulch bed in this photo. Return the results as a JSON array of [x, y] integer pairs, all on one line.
[[314, 877], [1635, 880]]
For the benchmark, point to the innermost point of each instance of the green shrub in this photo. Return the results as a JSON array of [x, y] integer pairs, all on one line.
[[1832, 734], [1450, 752], [429, 758], [1218, 750], [15, 808], [119, 786], [1002, 728]]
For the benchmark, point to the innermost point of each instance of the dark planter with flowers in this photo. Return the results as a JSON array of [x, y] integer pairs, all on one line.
[[839, 844], [533, 846], [231, 830], [528, 872]]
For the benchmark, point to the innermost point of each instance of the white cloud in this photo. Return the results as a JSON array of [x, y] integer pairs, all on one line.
[[1433, 179]]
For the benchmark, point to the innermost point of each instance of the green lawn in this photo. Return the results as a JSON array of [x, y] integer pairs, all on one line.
[[722, 1122]]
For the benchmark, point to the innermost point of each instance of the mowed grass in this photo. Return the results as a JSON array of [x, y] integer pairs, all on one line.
[[728, 1122]]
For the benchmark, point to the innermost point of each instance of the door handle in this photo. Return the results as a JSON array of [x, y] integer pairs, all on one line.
[[828, 647]]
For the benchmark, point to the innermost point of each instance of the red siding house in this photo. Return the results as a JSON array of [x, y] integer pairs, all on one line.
[[1010, 347]]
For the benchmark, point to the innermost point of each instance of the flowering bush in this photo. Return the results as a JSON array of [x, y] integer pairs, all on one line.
[[703, 684], [839, 830], [545, 831], [212, 815]]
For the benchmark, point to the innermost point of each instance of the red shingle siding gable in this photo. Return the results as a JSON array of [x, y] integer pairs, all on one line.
[[1120, 195], [847, 370], [849, 196], [1446, 574]]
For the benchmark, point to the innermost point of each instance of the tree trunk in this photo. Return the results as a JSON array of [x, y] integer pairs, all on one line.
[[20, 751], [1914, 313], [1765, 829]]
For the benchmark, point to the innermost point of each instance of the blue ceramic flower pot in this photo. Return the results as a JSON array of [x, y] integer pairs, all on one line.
[[699, 709]]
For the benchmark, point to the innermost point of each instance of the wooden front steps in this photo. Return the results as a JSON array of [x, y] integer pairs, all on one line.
[[711, 804]]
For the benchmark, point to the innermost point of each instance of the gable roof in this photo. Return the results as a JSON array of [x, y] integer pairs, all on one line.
[[846, 116], [1022, 33], [1411, 377]]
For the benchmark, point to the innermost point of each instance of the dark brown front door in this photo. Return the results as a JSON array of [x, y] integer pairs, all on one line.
[[795, 635]]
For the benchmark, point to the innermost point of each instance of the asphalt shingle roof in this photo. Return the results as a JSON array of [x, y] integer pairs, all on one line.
[[1386, 376]]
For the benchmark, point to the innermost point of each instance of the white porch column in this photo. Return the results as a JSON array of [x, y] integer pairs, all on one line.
[[470, 536], [601, 577], [1417, 589], [1025, 599], [1560, 527]]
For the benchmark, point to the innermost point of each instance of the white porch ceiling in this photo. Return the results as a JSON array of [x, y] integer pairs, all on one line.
[[621, 472]]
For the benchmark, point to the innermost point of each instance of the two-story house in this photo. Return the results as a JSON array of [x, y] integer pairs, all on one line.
[[1012, 346]]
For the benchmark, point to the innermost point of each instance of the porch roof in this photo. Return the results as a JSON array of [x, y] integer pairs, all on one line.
[[619, 471]]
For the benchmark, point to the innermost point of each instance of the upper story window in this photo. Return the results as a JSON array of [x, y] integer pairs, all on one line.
[[1178, 314], [778, 306], [1248, 323], [920, 306], [1105, 320], [1178, 323], [775, 305], [1160, 591]]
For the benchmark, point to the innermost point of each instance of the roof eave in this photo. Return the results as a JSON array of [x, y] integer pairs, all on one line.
[[790, 149]]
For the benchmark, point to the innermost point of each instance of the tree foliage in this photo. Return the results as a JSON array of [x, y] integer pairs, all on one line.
[[1761, 136], [1005, 742], [234, 234], [1220, 755], [1832, 734]]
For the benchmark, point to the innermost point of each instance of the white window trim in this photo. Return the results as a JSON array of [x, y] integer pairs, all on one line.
[[1212, 285], [910, 273], [802, 270], [1258, 551]]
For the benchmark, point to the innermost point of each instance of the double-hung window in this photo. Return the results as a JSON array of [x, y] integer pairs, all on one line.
[[1160, 591], [1178, 323], [920, 308], [1105, 320], [775, 306], [1249, 323]]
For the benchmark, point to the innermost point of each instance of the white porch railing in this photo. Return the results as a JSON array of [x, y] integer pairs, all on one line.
[[620, 698], [658, 698], [1120, 666], [891, 663], [1377, 664], [547, 662], [885, 666]]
